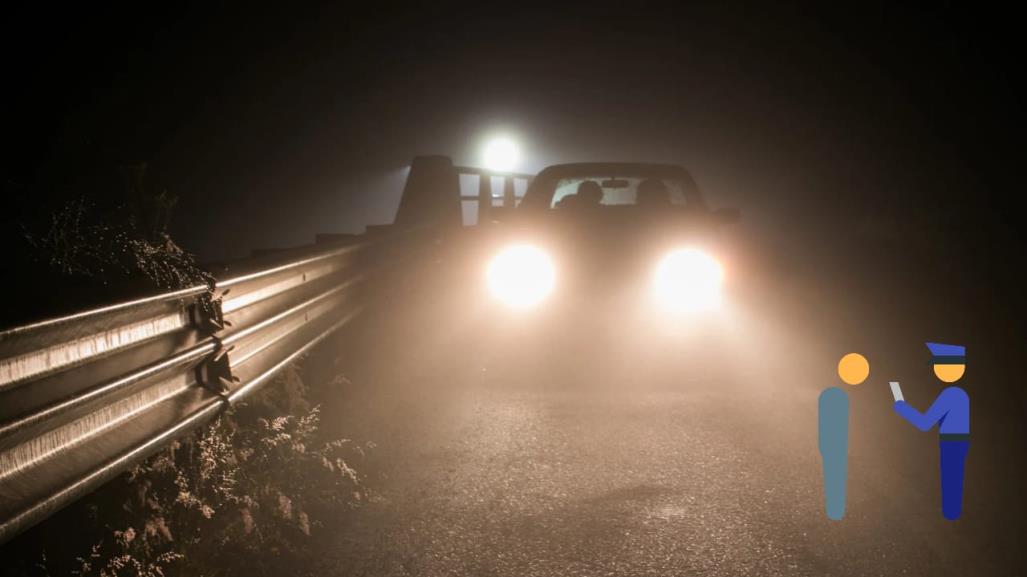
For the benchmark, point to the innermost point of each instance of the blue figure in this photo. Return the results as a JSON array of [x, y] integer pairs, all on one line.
[[834, 448], [833, 433], [951, 411]]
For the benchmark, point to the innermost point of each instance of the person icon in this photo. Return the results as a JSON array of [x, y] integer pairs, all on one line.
[[833, 432], [951, 411]]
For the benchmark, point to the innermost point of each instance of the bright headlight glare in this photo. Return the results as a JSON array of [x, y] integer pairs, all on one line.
[[521, 276], [688, 279]]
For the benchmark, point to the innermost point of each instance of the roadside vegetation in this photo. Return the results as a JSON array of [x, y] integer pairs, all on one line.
[[111, 244], [242, 496]]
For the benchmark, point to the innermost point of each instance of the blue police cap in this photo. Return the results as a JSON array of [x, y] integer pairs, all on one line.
[[947, 354]]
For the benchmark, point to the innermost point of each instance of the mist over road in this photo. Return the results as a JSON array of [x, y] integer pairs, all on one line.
[[688, 454]]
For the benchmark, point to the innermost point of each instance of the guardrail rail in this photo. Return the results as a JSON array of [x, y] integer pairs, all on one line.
[[86, 396]]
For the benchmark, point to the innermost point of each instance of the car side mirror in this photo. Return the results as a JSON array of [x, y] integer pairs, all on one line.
[[727, 215]]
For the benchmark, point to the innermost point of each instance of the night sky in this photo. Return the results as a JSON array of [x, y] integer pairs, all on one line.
[[275, 124]]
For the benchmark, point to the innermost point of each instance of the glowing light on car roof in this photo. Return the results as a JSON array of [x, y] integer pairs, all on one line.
[[501, 153]]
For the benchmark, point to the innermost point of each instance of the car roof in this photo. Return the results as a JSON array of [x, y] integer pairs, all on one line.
[[617, 168]]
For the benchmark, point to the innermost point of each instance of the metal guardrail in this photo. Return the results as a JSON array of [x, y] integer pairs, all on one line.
[[86, 396]]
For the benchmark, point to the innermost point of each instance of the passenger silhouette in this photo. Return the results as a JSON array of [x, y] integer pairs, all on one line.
[[590, 193], [652, 194]]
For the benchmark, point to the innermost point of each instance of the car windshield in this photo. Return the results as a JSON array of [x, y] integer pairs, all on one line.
[[617, 191]]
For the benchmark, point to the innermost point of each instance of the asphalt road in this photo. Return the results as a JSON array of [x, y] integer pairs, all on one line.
[[681, 454]]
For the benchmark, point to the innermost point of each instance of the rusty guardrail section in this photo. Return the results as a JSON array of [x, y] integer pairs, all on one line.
[[86, 396]]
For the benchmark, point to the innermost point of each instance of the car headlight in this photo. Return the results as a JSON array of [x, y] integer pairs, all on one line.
[[688, 279], [521, 276]]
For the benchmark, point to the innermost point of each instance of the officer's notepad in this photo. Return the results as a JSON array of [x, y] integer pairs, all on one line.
[[896, 391]]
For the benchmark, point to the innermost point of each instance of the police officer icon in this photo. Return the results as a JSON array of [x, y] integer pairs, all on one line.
[[951, 412]]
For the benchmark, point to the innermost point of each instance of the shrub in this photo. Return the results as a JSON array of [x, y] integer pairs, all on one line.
[[240, 497], [129, 239]]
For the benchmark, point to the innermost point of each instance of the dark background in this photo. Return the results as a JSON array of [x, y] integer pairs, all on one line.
[[271, 124], [832, 128]]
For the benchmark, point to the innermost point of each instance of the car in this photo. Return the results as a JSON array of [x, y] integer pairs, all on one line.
[[612, 234]]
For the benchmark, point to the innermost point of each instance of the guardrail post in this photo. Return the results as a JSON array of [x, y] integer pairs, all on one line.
[[509, 198], [215, 372], [206, 314], [484, 198]]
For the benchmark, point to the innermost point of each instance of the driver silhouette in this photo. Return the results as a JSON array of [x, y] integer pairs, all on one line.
[[588, 195]]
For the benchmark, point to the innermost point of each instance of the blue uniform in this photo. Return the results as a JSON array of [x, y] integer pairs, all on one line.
[[951, 411]]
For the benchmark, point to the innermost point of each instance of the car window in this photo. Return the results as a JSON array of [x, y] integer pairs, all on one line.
[[617, 191]]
